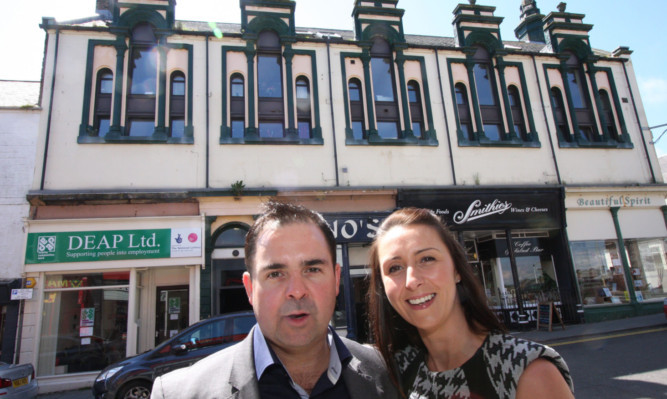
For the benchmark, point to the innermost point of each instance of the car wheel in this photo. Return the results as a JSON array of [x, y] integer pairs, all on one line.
[[136, 390]]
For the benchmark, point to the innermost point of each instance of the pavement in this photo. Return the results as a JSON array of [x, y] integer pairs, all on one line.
[[544, 336]]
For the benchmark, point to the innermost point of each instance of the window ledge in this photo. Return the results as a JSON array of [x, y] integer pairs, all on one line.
[[272, 141], [602, 145]]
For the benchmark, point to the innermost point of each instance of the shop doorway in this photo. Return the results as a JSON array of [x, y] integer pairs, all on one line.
[[230, 292], [172, 312], [515, 277]]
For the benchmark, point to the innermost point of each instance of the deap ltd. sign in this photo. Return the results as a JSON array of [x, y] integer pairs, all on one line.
[[94, 246]]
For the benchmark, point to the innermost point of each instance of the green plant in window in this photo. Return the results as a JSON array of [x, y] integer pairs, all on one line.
[[237, 188]]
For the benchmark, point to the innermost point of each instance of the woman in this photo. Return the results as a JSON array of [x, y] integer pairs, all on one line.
[[431, 322]]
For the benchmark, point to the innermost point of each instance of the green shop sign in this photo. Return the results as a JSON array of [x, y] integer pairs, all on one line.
[[95, 246]]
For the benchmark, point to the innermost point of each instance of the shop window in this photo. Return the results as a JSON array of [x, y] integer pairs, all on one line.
[[517, 113], [416, 113], [303, 111], [585, 126], [84, 323], [237, 105], [270, 86], [384, 90], [103, 95], [600, 272], [487, 97], [143, 81], [177, 104], [357, 109], [559, 115], [609, 116], [648, 267]]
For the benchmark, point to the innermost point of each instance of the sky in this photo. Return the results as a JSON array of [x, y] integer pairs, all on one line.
[[631, 23]]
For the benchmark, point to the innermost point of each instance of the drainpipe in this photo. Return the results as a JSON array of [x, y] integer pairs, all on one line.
[[48, 122], [444, 111], [207, 115], [641, 131], [333, 122], [546, 121]]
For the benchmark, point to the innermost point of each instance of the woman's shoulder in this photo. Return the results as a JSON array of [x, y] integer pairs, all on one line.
[[507, 345], [518, 353]]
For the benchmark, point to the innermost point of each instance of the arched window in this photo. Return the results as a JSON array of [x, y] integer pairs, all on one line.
[[384, 90], [303, 107], [177, 104], [356, 109], [517, 113], [143, 81], [610, 118], [237, 105], [580, 100], [463, 107], [416, 113], [559, 114], [487, 97], [103, 94], [270, 86]]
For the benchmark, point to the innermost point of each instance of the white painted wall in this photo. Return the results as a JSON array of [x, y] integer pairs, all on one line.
[[18, 133]]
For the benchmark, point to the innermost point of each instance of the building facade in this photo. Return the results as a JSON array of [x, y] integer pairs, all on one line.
[[19, 124], [161, 141]]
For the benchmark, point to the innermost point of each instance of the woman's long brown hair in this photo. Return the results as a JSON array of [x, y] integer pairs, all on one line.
[[389, 330]]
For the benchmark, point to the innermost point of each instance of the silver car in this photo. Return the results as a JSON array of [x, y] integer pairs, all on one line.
[[17, 381]]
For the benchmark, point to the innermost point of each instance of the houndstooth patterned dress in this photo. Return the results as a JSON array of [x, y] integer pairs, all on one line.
[[493, 371]]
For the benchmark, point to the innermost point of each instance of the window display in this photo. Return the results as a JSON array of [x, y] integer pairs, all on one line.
[[600, 272], [84, 324], [647, 266]]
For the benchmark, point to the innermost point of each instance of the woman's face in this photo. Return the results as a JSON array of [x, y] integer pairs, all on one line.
[[419, 277]]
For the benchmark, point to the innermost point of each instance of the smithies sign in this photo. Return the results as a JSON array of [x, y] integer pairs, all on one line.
[[490, 208]]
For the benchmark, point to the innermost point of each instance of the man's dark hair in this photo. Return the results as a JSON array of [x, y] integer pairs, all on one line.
[[275, 213]]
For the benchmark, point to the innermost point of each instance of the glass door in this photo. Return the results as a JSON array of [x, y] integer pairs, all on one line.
[[172, 312]]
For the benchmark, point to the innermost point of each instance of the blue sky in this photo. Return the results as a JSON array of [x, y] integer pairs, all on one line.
[[615, 23]]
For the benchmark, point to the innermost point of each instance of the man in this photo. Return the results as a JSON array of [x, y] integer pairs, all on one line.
[[292, 282]]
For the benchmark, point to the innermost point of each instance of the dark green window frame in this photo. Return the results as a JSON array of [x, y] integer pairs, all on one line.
[[250, 131], [88, 133], [477, 138], [606, 141], [428, 137]]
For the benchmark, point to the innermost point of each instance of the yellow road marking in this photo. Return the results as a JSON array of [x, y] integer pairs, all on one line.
[[577, 341]]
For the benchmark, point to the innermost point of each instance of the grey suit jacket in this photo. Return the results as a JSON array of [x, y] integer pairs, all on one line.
[[230, 373]]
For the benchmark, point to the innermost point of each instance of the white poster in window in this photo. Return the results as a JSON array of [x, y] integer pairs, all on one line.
[[87, 317], [172, 333], [85, 331], [185, 242], [85, 341], [639, 283], [606, 291], [173, 316], [639, 296]]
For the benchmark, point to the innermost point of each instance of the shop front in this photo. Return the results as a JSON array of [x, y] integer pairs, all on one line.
[[354, 232], [516, 246], [106, 289], [618, 244]]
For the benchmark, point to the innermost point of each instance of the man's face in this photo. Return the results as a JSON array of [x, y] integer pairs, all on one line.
[[294, 286]]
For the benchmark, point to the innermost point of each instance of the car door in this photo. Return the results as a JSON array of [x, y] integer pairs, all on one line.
[[192, 345]]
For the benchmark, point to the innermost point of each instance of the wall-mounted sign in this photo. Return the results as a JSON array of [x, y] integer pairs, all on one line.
[[17, 293], [355, 227], [534, 208], [621, 200], [30, 282], [94, 246]]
